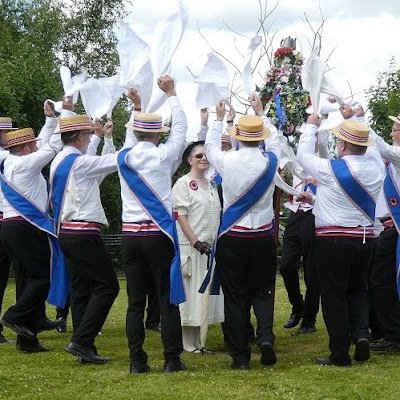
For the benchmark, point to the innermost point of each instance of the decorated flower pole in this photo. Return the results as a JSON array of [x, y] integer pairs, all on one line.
[[284, 99]]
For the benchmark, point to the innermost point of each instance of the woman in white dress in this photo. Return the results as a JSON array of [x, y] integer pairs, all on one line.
[[198, 207]]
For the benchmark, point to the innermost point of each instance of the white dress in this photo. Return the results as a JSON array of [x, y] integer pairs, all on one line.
[[203, 209]]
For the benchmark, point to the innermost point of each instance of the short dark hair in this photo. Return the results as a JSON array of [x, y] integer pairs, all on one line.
[[71, 136], [255, 143], [143, 136], [16, 149], [355, 149]]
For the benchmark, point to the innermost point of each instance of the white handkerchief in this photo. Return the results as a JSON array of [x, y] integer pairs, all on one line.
[[213, 82], [247, 70]]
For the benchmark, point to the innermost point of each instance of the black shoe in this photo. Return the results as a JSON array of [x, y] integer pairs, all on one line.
[[18, 329], [329, 362], [304, 330], [86, 354], [385, 346], [293, 320], [361, 351], [234, 365], [2, 339], [268, 356], [63, 327], [49, 325], [36, 348], [139, 368], [154, 327], [174, 366]]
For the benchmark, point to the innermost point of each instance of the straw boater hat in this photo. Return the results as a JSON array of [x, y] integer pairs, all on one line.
[[75, 123], [147, 122], [250, 129], [395, 119], [353, 132], [6, 124], [19, 136]]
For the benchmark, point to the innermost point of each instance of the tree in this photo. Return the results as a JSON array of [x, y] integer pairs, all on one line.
[[38, 36], [29, 33], [384, 99]]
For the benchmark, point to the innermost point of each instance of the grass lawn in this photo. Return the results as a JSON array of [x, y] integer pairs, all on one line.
[[57, 375]]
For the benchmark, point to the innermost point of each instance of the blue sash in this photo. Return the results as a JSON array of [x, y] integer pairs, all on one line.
[[353, 189], [310, 186], [27, 210], [236, 211], [393, 202], [217, 179], [161, 217], [58, 186]]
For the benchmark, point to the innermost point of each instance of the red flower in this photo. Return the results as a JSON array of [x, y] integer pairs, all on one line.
[[282, 52]]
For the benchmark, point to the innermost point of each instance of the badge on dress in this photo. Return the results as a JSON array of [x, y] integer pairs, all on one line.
[[193, 185]]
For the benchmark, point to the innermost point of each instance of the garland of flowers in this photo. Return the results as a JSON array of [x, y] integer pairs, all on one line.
[[282, 95]]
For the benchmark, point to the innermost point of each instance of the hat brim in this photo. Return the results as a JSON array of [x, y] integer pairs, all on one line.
[[266, 134], [394, 119], [9, 129], [23, 142], [189, 149], [163, 129], [336, 132]]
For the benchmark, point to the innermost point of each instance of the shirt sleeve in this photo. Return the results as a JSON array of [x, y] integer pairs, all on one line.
[[272, 143], [388, 152], [95, 166], [180, 197], [313, 165], [46, 131], [130, 138], [213, 147], [202, 132], [37, 160], [93, 145], [171, 149], [108, 146]]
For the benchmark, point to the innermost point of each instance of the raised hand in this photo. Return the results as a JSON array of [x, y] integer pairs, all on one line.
[[167, 85]]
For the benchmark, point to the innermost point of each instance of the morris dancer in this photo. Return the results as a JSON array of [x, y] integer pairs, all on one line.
[[385, 273], [344, 214], [25, 201], [150, 241], [79, 216], [246, 233]]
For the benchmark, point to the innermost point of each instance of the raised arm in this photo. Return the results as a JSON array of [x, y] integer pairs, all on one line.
[[213, 140], [171, 149], [313, 165]]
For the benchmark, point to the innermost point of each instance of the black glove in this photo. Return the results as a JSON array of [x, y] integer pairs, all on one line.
[[202, 247]]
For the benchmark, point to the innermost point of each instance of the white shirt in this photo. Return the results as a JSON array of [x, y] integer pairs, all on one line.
[[24, 172], [239, 169], [392, 154], [82, 197], [332, 206], [156, 164]]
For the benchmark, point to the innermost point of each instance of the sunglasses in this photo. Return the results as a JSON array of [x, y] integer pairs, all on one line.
[[199, 156]]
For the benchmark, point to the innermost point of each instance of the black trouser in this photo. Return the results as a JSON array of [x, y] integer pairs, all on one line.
[[299, 240], [94, 284], [4, 272], [342, 265], [30, 247], [153, 307], [145, 256], [383, 282], [63, 312], [247, 268]]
